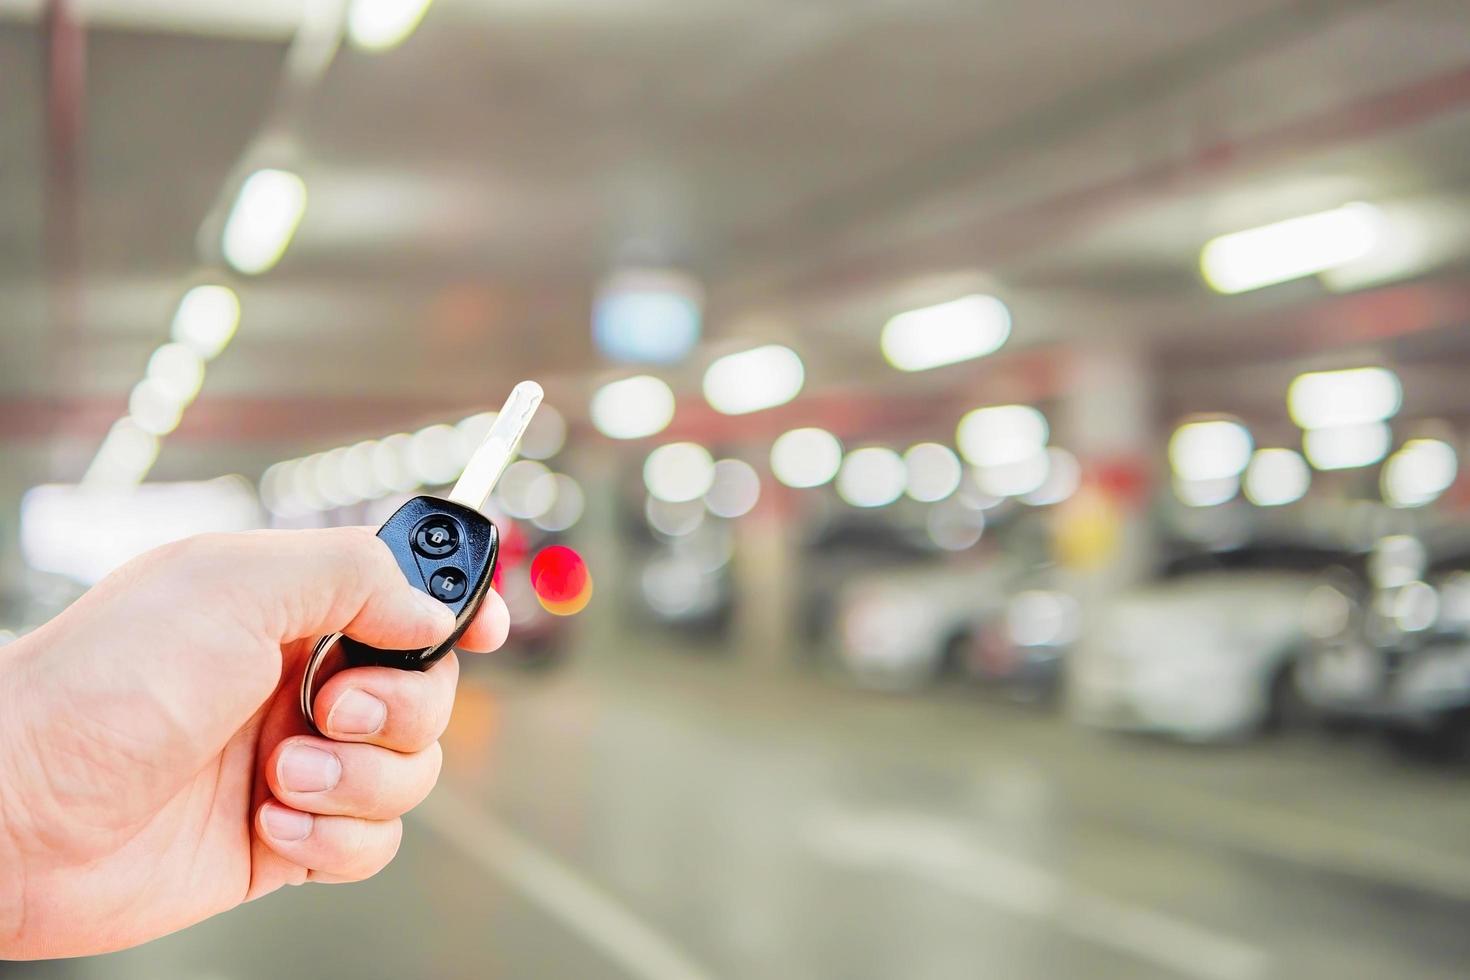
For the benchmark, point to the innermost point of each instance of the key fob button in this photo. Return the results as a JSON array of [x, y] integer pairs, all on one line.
[[460, 581], [437, 537], [448, 584]]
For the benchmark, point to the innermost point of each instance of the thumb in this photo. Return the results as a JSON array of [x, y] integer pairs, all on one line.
[[299, 584]]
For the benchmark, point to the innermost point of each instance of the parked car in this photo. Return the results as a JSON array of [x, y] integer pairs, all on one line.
[[1024, 650], [902, 629], [1399, 657], [1207, 651], [850, 550], [686, 591]]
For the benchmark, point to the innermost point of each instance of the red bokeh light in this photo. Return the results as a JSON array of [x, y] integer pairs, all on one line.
[[559, 575]]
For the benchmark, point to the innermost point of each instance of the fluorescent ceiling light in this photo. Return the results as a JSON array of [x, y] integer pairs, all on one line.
[[648, 315], [1213, 450], [153, 409], [679, 472], [377, 25], [390, 463], [751, 380], [1001, 434], [1063, 477], [872, 477], [527, 489], [805, 458], [1331, 399], [1207, 493], [735, 491], [206, 319], [1347, 447], [84, 532], [1419, 472], [357, 472], [1276, 477], [934, 472], [1290, 249], [633, 408], [946, 334], [265, 216], [544, 437], [567, 508], [436, 454], [177, 371], [1015, 478], [125, 456]]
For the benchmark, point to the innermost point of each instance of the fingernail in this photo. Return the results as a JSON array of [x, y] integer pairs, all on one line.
[[304, 769], [357, 713], [283, 824]]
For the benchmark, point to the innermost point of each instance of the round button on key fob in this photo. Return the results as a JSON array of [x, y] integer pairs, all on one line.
[[436, 537], [459, 577]]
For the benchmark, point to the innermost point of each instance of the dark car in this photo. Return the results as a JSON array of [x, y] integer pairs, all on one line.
[[1398, 656]]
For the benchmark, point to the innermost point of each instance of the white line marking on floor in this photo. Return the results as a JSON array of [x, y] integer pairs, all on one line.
[[580, 905], [942, 854]]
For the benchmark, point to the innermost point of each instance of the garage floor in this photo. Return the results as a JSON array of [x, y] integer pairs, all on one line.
[[663, 818]]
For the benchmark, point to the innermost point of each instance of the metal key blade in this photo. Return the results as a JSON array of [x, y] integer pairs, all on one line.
[[483, 470]]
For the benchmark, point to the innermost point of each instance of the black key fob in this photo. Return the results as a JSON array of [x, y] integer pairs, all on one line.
[[447, 550]]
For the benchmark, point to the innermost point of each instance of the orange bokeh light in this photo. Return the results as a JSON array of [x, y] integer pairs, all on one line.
[[560, 578]]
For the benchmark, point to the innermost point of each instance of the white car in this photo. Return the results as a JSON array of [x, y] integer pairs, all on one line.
[[900, 629], [1201, 656]]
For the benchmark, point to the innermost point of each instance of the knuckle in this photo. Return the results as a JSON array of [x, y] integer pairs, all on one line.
[[365, 554], [362, 564], [354, 843]]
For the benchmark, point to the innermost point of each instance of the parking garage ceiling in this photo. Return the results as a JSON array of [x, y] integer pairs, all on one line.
[[819, 170]]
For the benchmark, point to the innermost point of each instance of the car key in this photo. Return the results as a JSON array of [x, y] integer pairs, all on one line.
[[445, 547]]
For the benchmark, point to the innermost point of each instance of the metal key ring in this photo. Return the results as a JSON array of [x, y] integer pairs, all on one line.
[[319, 654]]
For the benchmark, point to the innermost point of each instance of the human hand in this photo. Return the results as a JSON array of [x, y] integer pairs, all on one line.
[[154, 766]]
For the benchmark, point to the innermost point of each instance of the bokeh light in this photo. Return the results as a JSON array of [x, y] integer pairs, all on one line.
[[751, 380], [679, 471], [872, 477], [1347, 447], [735, 491], [632, 408], [561, 580], [934, 471], [1016, 478], [527, 489], [1063, 477], [1210, 450], [566, 509], [1419, 472], [1332, 399], [804, 458], [1277, 477], [1001, 434]]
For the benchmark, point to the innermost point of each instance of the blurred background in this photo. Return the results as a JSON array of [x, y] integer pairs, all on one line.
[[1015, 449]]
